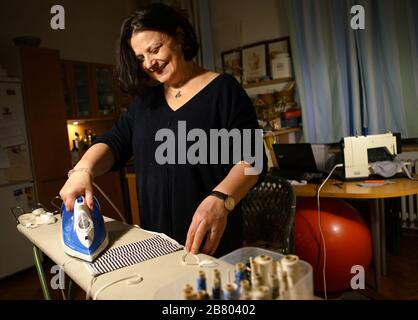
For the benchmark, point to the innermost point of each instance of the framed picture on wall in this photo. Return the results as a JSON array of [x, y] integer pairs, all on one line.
[[279, 58], [254, 63], [278, 46], [232, 63]]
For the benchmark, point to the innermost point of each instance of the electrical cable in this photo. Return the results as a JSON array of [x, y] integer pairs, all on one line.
[[62, 266], [130, 280], [110, 202], [208, 263], [320, 228]]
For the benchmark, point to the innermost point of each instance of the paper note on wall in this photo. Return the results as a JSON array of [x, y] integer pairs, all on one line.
[[20, 168], [11, 133]]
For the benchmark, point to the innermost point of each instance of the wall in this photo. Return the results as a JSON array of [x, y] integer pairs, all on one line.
[[91, 28], [241, 22]]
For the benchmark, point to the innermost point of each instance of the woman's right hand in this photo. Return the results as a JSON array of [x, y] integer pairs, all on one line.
[[78, 184]]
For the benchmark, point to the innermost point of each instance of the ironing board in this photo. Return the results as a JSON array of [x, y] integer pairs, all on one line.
[[157, 273]]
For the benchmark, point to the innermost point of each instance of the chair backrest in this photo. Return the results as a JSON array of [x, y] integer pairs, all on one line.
[[268, 215]]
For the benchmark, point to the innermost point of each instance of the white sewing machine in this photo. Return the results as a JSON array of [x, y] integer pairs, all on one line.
[[359, 151]]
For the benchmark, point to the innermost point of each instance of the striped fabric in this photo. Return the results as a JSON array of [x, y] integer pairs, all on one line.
[[132, 253]]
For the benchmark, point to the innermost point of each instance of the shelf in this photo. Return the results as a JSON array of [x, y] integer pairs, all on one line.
[[267, 82], [84, 120], [281, 132]]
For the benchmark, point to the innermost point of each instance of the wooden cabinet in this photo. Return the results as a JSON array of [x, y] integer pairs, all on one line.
[[45, 116], [90, 90], [55, 91], [133, 199]]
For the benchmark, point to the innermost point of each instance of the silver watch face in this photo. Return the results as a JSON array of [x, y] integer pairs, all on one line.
[[229, 203]]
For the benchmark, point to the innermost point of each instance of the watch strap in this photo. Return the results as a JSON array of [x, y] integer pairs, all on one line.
[[219, 195]]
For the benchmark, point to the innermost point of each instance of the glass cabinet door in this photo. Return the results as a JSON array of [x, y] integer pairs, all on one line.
[[82, 90], [105, 91], [67, 92]]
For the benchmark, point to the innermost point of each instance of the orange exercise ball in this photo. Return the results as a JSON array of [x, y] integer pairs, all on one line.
[[347, 239]]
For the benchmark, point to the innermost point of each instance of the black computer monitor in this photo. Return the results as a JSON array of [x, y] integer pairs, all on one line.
[[295, 156]]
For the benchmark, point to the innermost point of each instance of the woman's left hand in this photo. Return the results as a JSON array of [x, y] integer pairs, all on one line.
[[209, 218]]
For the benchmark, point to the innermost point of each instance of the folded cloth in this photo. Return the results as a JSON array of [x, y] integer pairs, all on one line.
[[386, 169], [132, 253]]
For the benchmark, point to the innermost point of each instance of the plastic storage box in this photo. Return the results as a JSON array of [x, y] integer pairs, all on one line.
[[302, 290]]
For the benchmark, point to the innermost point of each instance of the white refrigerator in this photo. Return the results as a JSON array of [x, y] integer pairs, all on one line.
[[17, 187]]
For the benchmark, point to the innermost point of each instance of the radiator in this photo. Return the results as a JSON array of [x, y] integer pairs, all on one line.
[[409, 204]]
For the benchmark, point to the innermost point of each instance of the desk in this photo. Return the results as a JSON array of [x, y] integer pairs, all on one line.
[[351, 190], [157, 273]]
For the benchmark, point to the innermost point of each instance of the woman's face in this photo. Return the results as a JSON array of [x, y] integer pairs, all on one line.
[[160, 55]]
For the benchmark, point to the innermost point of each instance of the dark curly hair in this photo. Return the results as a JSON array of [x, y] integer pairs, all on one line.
[[154, 17]]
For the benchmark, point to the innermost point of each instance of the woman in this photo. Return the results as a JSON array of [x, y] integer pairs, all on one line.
[[194, 203]]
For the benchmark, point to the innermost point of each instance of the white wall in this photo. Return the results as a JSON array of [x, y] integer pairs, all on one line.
[[258, 20], [91, 28]]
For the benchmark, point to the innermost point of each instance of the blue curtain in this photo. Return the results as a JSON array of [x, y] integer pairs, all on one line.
[[352, 81]]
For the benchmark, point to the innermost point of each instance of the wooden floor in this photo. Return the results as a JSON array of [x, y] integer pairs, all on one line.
[[401, 281]]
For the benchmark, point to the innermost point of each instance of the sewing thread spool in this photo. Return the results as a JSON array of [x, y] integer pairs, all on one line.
[[216, 289], [253, 270], [253, 266], [216, 274], [245, 286], [274, 286], [239, 273], [246, 296], [282, 277], [283, 284], [188, 292], [290, 264], [262, 293], [202, 295], [230, 292], [187, 287], [201, 281], [256, 280], [265, 266]]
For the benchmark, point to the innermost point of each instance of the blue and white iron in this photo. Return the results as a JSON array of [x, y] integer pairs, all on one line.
[[84, 234]]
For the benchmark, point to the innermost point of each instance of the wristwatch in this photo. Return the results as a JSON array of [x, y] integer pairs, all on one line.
[[229, 202]]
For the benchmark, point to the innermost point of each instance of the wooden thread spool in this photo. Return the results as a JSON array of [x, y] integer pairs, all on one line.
[[230, 292], [202, 295], [262, 293], [245, 286], [188, 293], [256, 281], [274, 286], [290, 264], [265, 267]]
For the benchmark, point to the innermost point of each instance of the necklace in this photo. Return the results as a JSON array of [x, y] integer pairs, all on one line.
[[179, 93]]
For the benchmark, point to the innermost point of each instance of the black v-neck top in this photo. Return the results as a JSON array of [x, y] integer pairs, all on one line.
[[169, 194]]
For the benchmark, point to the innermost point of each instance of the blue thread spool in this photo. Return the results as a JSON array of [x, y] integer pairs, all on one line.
[[239, 274], [216, 288], [201, 281]]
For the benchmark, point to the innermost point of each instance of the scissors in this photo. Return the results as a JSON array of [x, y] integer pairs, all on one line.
[[338, 184]]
